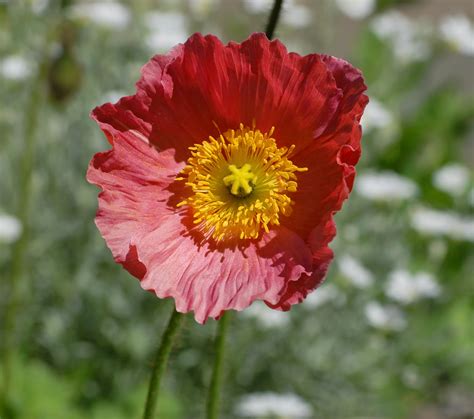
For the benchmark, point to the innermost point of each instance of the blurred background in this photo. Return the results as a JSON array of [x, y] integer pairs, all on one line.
[[391, 332]]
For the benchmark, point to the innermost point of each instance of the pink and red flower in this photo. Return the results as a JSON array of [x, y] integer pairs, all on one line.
[[226, 168]]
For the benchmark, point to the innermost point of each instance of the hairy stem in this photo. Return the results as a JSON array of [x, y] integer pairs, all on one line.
[[160, 361], [273, 20], [216, 380]]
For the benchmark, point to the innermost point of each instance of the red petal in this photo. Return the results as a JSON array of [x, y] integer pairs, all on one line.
[[153, 241], [217, 87]]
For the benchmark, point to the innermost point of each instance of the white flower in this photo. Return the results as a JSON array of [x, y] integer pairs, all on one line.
[[355, 272], [166, 30], [356, 9], [386, 317], [108, 14], [266, 316], [385, 186], [408, 40], [322, 295], [201, 8], [10, 228], [452, 178], [442, 223], [458, 31], [297, 16], [407, 288], [15, 67], [376, 115], [39, 6], [261, 405], [411, 376], [258, 6], [113, 96]]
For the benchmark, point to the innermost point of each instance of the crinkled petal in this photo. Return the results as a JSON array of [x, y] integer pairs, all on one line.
[[327, 184], [151, 239], [216, 87]]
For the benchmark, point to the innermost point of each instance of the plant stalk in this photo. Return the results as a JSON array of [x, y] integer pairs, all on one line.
[[216, 379], [273, 19], [159, 363]]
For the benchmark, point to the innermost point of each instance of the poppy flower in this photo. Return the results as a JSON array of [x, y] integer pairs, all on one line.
[[226, 168]]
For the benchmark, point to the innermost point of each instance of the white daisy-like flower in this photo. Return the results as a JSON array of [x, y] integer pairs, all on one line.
[[433, 222], [355, 272], [385, 186], [166, 29], [296, 16], [201, 8], [458, 32], [409, 40], [324, 294], [15, 68], [356, 9], [452, 178], [376, 116], [274, 405], [10, 228], [406, 288], [38, 6], [267, 317], [113, 96], [385, 317], [109, 14], [258, 6]]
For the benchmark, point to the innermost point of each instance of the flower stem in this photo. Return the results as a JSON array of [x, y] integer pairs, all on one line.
[[216, 380], [160, 361], [273, 20]]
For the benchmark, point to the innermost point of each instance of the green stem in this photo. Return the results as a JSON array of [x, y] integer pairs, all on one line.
[[216, 380], [160, 361], [19, 249], [273, 20]]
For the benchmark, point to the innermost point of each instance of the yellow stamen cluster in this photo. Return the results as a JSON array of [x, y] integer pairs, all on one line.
[[239, 184]]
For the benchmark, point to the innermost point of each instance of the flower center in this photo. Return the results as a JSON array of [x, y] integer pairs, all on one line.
[[240, 180], [239, 184]]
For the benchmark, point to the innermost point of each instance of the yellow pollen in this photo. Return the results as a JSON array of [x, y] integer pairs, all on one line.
[[239, 184], [240, 180]]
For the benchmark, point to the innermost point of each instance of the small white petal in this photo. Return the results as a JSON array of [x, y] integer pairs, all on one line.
[[258, 6], [287, 405], [376, 116], [266, 316], [10, 228], [452, 178], [385, 186], [109, 14], [166, 29], [409, 40], [113, 96], [15, 67], [407, 288], [297, 16], [322, 295], [201, 8], [355, 272], [385, 317], [356, 9], [458, 31], [443, 223]]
